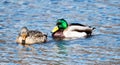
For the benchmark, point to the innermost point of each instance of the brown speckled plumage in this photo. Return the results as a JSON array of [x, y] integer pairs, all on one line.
[[32, 36]]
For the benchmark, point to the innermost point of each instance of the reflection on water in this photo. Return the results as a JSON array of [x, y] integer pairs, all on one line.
[[103, 48]]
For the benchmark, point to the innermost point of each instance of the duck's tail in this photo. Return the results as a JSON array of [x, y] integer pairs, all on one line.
[[93, 28]]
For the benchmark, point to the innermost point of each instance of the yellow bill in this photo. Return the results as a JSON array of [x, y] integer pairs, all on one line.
[[55, 29]]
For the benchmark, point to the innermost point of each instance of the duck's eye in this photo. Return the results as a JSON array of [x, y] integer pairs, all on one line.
[[58, 23]]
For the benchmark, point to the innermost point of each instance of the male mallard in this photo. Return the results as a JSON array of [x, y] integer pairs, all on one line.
[[30, 36], [74, 30]]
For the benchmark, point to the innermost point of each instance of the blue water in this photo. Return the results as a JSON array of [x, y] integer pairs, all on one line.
[[103, 48]]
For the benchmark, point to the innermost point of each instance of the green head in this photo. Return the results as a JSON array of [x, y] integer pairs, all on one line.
[[62, 24]]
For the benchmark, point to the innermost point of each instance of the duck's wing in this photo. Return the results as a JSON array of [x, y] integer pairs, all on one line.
[[76, 24], [35, 33], [37, 36], [85, 29]]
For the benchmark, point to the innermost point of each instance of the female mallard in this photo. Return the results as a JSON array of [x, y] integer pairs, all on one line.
[[74, 30], [30, 36]]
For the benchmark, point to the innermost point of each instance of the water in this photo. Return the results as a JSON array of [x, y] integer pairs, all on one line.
[[103, 48]]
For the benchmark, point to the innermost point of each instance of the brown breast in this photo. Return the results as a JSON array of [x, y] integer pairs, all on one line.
[[58, 34]]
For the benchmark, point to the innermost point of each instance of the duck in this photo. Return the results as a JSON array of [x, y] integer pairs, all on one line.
[[27, 36], [64, 30]]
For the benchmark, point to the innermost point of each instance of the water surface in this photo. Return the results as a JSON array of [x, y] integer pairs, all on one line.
[[103, 48]]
